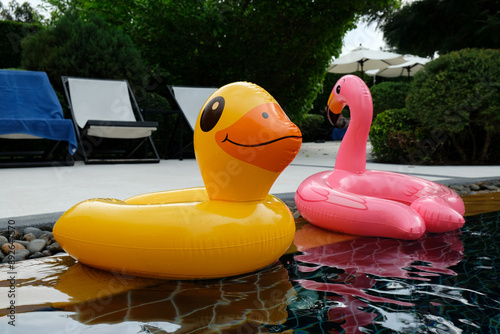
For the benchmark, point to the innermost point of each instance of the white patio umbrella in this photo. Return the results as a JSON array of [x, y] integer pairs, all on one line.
[[363, 59], [408, 68]]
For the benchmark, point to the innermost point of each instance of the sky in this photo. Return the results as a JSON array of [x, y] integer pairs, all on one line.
[[366, 35]]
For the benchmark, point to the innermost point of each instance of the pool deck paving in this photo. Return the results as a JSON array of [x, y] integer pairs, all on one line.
[[41, 194]]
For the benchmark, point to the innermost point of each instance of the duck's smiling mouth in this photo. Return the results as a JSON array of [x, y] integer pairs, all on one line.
[[263, 137], [259, 144]]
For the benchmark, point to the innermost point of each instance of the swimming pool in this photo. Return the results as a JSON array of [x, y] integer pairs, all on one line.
[[326, 283]]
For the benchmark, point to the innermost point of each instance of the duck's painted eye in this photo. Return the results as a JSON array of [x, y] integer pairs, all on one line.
[[338, 89], [265, 115], [212, 113]]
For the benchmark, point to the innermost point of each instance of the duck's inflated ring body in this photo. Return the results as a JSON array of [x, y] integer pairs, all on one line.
[[243, 140], [353, 200]]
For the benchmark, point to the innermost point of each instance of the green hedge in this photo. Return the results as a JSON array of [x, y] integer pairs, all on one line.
[[396, 138], [314, 127], [389, 95], [452, 114], [83, 48], [459, 95], [11, 34]]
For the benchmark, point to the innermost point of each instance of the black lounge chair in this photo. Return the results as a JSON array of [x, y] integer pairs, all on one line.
[[108, 122], [186, 102]]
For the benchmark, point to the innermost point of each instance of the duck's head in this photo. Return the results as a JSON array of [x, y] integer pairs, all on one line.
[[243, 140], [352, 91]]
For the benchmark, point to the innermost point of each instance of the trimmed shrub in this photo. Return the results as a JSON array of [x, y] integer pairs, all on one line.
[[314, 127], [89, 48], [389, 95], [396, 138], [458, 94], [11, 34]]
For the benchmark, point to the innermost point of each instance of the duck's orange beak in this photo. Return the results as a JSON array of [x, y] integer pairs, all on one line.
[[263, 137]]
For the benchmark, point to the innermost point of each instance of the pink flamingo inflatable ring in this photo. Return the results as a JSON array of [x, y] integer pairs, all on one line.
[[353, 200]]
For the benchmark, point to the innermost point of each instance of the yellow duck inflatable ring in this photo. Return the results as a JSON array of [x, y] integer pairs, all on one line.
[[243, 140]]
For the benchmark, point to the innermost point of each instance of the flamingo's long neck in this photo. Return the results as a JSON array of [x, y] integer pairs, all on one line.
[[351, 156]]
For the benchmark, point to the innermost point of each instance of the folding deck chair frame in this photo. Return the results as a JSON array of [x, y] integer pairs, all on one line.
[[106, 110], [186, 102]]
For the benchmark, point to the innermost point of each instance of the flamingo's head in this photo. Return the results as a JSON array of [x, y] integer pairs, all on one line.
[[349, 90]]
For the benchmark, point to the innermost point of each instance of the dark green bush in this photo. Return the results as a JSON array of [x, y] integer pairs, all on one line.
[[166, 138], [391, 134], [396, 138], [11, 34], [458, 94], [314, 127], [80, 48], [389, 95]]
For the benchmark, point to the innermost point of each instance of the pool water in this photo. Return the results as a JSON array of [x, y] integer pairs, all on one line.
[[442, 283], [326, 283]]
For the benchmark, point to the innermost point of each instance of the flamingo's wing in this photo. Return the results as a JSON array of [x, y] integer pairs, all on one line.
[[345, 212]]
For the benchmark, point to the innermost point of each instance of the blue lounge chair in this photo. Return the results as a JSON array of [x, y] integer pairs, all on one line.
[[29, 109]]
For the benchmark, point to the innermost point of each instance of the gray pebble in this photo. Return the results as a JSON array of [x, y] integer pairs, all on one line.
[[46, 253], [3, 240], [29, 237], [46, 233], [36, 231], [36, 245], [36, 255], [55, 248], [21, 254], [47, 237], [22, 242], [474, 187]]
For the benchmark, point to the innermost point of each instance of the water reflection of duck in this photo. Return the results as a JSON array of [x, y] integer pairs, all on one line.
[[87, 299], [240, 304], [243, 141], [351, 199]]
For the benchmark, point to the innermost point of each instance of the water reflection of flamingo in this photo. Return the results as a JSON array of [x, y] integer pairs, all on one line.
[[351, 199], [372, 269]]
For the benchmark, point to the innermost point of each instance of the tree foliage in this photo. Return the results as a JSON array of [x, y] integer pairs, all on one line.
[[389, 95], [14, 11], [452, 113], [11, 35], [284, 46], [83, 48], [426, 26], [393, 136], [459, 94]]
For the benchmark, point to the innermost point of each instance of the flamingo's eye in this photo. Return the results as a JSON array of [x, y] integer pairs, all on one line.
[[338, 89]]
